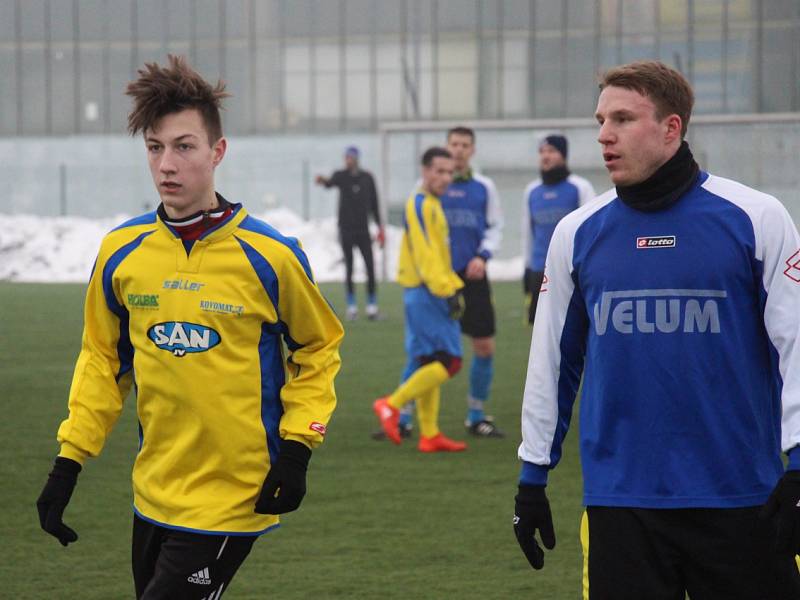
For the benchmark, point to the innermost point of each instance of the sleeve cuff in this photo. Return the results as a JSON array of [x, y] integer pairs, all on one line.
[[298, 438], [73, 453], [532, 474], [485, 254], [794, 459]]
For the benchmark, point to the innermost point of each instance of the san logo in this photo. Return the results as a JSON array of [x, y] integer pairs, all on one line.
[[180, 338]]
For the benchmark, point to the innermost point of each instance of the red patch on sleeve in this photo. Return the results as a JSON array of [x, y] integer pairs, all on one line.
[[793, 267], [318, 427]]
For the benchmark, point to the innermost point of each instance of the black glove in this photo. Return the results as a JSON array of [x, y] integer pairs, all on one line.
[[55, 497], [526, 282], [532, 512], [785, 503], [455, 305], [286, 478]]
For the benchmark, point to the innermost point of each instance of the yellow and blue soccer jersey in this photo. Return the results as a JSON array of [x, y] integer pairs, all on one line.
[[231, 347], [425, 271], [425, 248]]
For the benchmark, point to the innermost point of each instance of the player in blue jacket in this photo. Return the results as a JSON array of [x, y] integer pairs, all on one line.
[[546, 201], [676, 296], [474, 215]]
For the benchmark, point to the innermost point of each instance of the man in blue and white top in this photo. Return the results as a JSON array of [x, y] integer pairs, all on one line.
[[675, 295], [472, 208], [546, 201]]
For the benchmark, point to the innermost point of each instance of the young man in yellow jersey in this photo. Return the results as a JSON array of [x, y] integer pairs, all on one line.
[[433, 305], [214, 316]]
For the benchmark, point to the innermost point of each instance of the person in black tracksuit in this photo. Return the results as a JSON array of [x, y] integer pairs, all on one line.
[[358, 198]]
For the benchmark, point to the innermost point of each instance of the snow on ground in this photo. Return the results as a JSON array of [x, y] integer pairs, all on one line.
[[63, 249]]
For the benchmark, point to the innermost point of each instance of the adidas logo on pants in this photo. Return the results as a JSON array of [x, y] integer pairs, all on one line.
[[201, 577]]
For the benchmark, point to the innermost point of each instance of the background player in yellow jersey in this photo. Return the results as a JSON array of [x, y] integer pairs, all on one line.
[[433, 304], [215, 317]]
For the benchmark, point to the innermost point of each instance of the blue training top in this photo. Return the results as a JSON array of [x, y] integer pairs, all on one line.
[[684, 323], [472, 208], [544, 206]]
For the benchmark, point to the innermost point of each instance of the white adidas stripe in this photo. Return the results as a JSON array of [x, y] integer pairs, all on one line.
[[221, 548], [215, 595]]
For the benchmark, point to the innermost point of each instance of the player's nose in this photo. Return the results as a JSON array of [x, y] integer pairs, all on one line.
[[167, 163]]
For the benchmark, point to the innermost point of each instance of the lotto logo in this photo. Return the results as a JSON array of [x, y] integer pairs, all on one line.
[[793, 267], [655, 241]]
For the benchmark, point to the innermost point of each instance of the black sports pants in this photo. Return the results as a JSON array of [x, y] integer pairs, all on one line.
[[478, 319], [362, 240], [713, 554], [179, 565]]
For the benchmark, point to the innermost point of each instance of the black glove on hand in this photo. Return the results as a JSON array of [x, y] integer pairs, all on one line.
[[55, 497], [532, 512], [785, 503], [286, 478], [526, 283], [455, 305]]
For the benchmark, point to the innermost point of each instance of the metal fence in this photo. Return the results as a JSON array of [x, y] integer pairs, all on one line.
[[324, 66]]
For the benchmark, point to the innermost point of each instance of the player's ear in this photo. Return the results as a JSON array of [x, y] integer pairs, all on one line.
[[673, 128], [218, 150]]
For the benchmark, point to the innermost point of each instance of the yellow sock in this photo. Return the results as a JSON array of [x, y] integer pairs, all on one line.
[[584, 535], [428, 412], [425, 378]]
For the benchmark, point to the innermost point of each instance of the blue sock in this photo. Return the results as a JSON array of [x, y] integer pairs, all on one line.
[[480, 379], [351, 299], [372, 298], [474, 415]]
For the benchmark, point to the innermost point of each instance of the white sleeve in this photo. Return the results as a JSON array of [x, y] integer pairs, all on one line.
[[586, 192], [781, 280], [540, 404], [494, 219], [558, 349]]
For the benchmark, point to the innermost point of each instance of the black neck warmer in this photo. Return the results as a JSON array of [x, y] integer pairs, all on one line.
[[554, 175], [222, 206], [664, 187]]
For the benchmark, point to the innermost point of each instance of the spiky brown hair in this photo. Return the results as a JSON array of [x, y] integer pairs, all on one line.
[[161, 91], [669, 91]]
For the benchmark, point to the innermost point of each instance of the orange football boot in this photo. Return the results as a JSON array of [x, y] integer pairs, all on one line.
[[440, 443], [389, 417]]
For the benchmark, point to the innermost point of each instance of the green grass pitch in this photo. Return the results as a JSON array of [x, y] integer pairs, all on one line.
[[378, 521]]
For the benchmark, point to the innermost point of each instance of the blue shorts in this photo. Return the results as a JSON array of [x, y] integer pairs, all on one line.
[[429, 329]]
